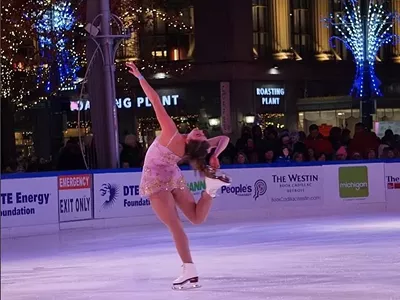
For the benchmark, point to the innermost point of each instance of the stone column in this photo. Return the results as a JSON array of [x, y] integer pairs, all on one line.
[[280, 18], [396, 30], [321, 31]]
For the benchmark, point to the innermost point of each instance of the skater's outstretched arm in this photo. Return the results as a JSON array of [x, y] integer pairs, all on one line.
[[219, 143], [166, 123]]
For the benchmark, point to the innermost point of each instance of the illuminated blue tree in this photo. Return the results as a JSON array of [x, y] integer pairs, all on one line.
[[54, 27], [364, 35]]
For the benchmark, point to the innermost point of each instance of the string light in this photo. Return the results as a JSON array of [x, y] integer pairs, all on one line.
[[124, 79], [32, 25], [53, 27], [353, 36], [83, 124], [13, 35], [133, 16], [150, 124]]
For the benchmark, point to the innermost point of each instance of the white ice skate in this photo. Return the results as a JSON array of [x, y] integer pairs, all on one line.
[[189, 278], [214, 182]]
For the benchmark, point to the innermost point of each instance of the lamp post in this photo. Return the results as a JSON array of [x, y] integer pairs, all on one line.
[[101, 52]]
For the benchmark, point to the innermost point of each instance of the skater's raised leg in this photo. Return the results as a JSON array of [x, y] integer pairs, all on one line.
[[197, 212]]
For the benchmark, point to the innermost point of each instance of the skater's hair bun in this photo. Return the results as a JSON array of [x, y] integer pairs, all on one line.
[[196, 153]]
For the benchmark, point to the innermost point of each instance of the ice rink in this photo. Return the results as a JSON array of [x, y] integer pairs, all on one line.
[[323, 259]]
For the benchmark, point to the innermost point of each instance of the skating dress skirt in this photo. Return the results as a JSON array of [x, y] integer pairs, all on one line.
[[160, 171]]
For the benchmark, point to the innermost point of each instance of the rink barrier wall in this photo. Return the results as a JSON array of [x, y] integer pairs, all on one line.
[[41, 203]]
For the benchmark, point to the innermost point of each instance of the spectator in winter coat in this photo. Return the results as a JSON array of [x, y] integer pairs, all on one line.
[[241, 159], [269, 156], [318, 142], [285, 155], [300, 145], [363, 141], [341, 154], [346, 138], [298, 157], [335, 136], [389, 138]]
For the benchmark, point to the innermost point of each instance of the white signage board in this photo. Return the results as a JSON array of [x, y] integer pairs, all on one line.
[[75, 197], [29, 201]]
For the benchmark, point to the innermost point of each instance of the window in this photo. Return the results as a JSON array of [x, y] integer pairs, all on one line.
[[337, 8], [301, 26], [130, 47], [301, 4], [337, 5], [159, 54], [169, 32], [260, 28]]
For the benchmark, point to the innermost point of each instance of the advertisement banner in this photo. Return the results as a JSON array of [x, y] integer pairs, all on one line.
[[301, 186], [75, 197], [354, 184], [194, 182], [247, 191], [116, 195], [392, 186], [29, 201]]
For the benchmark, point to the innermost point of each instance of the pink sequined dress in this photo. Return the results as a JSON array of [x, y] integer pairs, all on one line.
[[160, 170]]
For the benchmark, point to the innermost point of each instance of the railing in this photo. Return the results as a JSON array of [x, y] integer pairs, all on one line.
[[32, 202]]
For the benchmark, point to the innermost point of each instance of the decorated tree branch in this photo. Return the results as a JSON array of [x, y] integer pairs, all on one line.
[[364, 35]]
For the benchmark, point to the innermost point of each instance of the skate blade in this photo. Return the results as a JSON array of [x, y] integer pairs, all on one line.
[[225, 178], [212, 173], [188, 285], [185, 287]]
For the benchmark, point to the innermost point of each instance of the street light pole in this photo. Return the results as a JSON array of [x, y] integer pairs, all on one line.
[[107, 43], [101, 51]]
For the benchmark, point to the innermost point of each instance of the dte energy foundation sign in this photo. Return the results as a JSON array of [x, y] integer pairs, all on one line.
[[117, 195], [29, 201]]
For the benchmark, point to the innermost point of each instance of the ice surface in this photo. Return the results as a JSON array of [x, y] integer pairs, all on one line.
[[322, 259]]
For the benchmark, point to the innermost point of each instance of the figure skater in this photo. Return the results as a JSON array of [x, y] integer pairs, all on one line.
[[163, 183]]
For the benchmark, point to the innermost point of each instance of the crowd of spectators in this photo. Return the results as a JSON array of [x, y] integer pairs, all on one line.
[[255, 146], [270, 146]]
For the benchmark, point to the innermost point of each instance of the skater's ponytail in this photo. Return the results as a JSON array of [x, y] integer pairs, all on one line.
[[196, 153]]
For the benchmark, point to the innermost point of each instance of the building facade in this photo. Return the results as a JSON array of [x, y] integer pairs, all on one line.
[[240, 62]]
